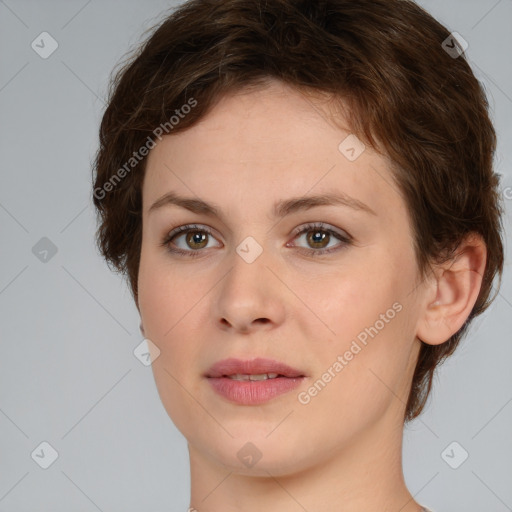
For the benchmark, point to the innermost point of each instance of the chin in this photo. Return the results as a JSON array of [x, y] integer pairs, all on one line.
[[261, 456]]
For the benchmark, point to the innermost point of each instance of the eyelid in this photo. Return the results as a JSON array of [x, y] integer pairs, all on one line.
[[184, 228], [343, 237], [320, 226]]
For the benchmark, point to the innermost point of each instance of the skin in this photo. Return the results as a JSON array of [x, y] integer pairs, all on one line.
[[342, 450]]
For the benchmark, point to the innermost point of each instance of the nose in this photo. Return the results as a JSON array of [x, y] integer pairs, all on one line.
[[250, 297]]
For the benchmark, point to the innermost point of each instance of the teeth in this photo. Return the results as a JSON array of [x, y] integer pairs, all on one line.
[[260, 376]]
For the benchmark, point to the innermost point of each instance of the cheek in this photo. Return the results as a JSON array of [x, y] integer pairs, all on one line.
[[358, 381], [370, 313], [170, 304], [355, 298], [166, 301], [165, 297]]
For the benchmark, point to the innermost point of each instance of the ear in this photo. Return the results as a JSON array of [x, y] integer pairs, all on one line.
[[142, 328], [452, 291]]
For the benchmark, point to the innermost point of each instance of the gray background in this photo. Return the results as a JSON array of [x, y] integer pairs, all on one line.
[[69, 327]]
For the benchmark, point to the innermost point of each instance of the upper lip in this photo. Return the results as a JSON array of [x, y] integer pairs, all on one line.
[[256, 366]]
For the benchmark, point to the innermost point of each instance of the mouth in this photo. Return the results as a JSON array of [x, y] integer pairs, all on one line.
[[254, 377], [253, 382]]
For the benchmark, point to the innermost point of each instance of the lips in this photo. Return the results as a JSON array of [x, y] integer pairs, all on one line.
[[258, 366], [252, 382]]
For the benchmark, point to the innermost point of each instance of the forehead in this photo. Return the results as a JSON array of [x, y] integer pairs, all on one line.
[[268, 144]]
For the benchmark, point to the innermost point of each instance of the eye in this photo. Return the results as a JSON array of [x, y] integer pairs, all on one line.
[[194, 237], [318, 236]]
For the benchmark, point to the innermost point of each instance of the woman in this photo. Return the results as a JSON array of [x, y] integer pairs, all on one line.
[[302, 197]]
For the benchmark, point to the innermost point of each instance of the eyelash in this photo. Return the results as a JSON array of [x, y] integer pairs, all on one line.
[[345, 239]]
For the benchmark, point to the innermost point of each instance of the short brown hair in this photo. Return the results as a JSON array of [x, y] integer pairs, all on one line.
[[406, 96]]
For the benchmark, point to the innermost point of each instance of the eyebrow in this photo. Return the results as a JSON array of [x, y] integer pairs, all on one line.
[[281, 208]]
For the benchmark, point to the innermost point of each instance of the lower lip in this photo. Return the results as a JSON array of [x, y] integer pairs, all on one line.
[[247, 392]]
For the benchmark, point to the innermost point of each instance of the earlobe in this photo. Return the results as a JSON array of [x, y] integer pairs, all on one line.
[[453, 292]]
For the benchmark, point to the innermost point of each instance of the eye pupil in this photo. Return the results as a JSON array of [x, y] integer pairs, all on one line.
[[196, 237], [318, 237]]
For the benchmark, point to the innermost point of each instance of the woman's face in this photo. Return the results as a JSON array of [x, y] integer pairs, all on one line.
[[324, 286]]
